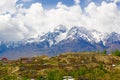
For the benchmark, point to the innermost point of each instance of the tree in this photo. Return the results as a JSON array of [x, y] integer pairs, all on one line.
[[116, 53], [104, 52]]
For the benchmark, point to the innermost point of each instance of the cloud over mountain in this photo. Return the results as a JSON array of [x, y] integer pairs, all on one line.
[[18, 22]]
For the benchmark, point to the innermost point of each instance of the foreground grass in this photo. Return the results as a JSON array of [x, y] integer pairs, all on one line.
[[87, 65]]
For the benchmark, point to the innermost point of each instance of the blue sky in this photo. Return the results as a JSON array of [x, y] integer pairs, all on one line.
[[48, 3], [52, 3]]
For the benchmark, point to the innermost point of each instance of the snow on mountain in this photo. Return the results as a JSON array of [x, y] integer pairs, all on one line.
[[98, 36], [62, 33], [113, 37], [52, 37], [32, 40], [89, 35], [79, 33], [61, 40]]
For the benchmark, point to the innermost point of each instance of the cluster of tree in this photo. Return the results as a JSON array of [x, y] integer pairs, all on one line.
[[116, 53], [104, 52]]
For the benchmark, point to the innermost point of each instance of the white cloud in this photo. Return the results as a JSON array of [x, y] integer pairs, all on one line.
[[7, 6], [77, 2], [35, 20], [116, 1], [105, 18]]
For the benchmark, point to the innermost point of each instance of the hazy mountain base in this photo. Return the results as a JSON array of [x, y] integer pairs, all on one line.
[[85, 66]]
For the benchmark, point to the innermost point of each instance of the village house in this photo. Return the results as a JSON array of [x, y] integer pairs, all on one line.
[[4, 60]]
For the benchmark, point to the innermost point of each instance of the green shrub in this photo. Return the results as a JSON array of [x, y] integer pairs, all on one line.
[[104, 52], [116, 53], [55, 75]]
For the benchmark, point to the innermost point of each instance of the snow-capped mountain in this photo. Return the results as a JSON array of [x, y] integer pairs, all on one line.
[[61, 40], [62, 33], [79, 33], [54, 37], [98, 36], [113, 37]]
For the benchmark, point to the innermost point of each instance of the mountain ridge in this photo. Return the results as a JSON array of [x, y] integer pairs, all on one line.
[[75, 39]]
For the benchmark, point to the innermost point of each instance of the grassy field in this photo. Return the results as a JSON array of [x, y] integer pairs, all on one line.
[[80, 65]]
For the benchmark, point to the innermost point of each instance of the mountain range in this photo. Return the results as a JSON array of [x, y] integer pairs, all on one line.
[[61, 40]]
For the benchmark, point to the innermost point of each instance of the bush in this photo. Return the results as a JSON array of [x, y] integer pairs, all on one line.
[[55, 75], [116, 53], [104, 52]]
